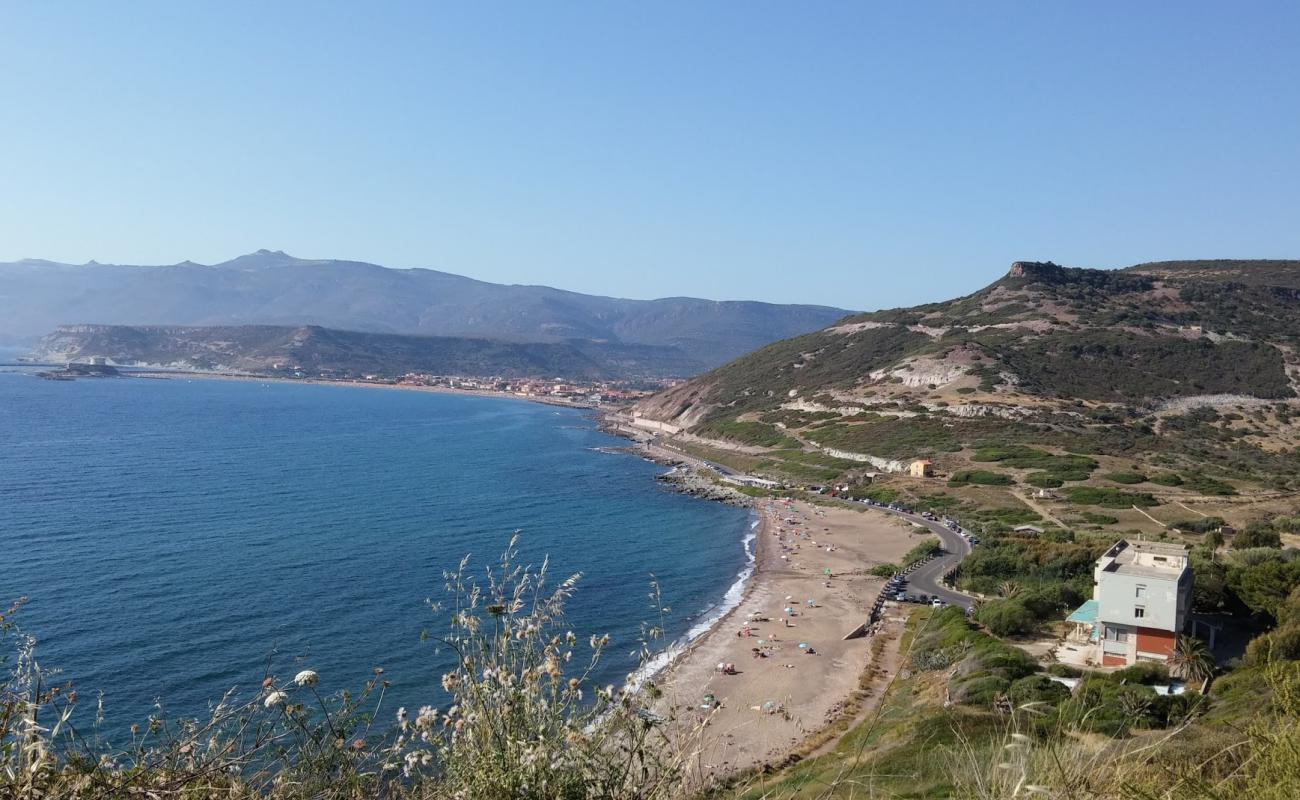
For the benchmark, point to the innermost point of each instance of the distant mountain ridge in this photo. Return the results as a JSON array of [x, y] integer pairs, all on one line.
[[313, 350], [273, 288]]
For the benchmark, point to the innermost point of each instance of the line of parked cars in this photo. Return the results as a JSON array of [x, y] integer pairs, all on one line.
[[896, 589]]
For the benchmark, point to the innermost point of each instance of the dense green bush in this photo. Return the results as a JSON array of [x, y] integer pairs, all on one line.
[[1044, 480], [1037, 689], [1125, 477], [1093, 518], [1108, 498], [979, 477], [1199, 525], [1257, 535], [922, 550], [1024, 457], [1282, 644], [1204, 484], [1167, 479], [1007, 617]]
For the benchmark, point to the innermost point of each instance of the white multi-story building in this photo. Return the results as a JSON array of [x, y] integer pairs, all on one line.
[[1143, 597]]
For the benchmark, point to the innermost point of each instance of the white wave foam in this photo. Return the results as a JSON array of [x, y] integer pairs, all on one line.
[[711, 616]]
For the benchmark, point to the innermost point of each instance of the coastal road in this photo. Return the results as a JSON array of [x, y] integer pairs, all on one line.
[[928, 578]]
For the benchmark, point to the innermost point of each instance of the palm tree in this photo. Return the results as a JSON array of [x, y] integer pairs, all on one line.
[[1008, 589], [1191, 660]]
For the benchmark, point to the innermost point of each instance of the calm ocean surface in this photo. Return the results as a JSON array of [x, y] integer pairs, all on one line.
[[174, 537]]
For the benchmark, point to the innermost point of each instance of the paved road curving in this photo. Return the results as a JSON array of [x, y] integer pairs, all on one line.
[[928, 578]]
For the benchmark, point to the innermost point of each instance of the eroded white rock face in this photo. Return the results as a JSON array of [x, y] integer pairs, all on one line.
[[809, 406], [1182, 404], [987, 410], [924, 371], [882, 464], [855, 327]]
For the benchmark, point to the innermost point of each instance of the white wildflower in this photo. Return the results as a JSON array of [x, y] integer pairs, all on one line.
[[426, 717], [274, 699], [307, 677]]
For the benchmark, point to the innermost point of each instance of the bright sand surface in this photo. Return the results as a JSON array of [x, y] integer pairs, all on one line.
[[776, 700]]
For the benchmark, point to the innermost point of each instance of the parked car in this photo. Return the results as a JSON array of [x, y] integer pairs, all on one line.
[[937, 603]]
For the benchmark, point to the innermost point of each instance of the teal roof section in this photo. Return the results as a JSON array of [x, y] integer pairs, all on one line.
[[1086, 613]]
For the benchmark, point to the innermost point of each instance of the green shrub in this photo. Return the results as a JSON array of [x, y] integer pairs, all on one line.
[[1199, 525], [1282, 644], [879, 494], [1093, 518], [1007, 617], [1044, 480], [1108, 498], [1023, 457], [1037, 689], [1167, 479], [1203, 484], [923, 550], [885, 570], [980, 477], [1256, 536], [1144, 673], [1126, 477]]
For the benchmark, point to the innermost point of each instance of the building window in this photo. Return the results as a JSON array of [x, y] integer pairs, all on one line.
[[1141, 591], [1139, 612], [1116, 634]]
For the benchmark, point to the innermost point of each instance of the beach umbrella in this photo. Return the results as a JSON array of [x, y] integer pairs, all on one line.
[[803, 645], [789, 610]]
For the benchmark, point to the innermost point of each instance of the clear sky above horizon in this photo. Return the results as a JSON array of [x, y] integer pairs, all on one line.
[[851, 154]]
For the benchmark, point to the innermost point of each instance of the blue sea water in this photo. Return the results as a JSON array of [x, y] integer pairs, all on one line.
[[176, 538]]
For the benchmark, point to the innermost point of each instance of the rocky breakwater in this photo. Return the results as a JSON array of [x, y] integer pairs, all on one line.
[[687, 481]]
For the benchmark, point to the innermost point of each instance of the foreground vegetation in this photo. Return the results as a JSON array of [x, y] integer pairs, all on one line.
[[969, 716]]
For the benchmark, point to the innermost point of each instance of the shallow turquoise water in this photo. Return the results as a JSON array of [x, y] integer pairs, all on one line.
[[177, 537]]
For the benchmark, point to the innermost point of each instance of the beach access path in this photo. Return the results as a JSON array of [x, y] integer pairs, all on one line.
[[794, 670]]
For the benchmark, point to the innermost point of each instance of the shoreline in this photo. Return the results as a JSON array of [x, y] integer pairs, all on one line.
[[225, 376], [751, 731], [778, 697]]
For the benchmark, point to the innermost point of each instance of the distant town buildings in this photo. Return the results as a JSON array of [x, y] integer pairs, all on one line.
[[594, 393]]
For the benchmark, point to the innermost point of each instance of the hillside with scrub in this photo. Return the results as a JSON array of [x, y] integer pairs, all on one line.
[[1050, 414], [1154, 395]]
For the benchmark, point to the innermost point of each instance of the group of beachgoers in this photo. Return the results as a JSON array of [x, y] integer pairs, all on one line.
[[791, 532]]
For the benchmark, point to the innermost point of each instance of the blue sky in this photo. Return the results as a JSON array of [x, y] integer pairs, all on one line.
[[856, 154]]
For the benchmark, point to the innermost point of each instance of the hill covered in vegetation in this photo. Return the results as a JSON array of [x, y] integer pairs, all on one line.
[[1170, 366], [315, 351]]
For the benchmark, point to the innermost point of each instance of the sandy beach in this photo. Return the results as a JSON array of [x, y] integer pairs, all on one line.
[[793, 668]]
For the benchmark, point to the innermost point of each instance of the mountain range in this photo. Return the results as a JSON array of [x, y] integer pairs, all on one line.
[[273, 288]]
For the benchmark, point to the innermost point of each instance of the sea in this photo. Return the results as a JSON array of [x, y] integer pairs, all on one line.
[[177, 538]]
